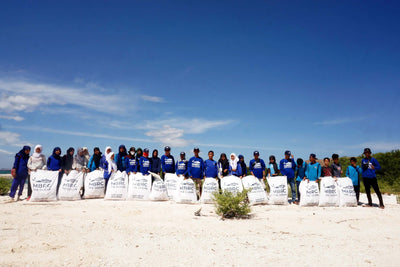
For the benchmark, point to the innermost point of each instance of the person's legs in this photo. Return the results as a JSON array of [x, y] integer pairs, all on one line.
[[14, 186], [293, 188], [357, 190], [21, 186], [60, 175], [298, 190], [367, 185], [263, 184], [29, 186], [105, 185], [374, 184]]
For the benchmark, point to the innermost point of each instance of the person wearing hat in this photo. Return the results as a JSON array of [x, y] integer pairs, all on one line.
[[182, 166], [369, 165], [313, 169], [144, 162], [257, 167], [167, 161], [242, 165], [287, 167], [196, 168]]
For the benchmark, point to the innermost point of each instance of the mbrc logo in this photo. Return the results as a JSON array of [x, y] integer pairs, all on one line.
[[287, 165], [168, 161]]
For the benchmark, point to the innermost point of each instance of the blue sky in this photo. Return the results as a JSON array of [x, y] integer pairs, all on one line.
[[231, 76]]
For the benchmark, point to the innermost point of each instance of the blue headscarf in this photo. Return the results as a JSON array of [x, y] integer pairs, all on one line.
[[22, 153], [54, 153]]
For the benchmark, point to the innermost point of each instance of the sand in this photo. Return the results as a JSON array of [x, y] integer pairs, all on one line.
[[135, 233]]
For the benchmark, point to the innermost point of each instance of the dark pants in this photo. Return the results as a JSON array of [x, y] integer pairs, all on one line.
[[60, 175], [298, 190], [105, 185], [17, 182], [368, 182], [29, 186], [357, 190]]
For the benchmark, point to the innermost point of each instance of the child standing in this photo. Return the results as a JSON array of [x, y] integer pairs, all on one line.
[[120, 158], [353, 172], [327, 170], [196, 168], [110, 167], [210, 166], [223, 165], [369, 166], [273, 168], [94, 161], [257, 167], [181, 166], [243, 165], [144, 162], [336, 167], [130, 161], [234, 166], [301, 173], [155, 162], [313, 169], [288, 167], [167, 161]]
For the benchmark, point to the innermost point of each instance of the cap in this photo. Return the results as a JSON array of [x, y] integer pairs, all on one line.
[[146, 150], [367, 150], [167, 148], [240, 157], [256, 153], [183, 153], [287, 152], [313, 155], [196, 148]]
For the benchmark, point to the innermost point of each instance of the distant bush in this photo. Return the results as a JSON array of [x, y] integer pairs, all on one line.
[[5, 186], [230, 205]]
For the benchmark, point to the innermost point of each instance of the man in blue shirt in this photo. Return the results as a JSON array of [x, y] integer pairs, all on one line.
[[301, 173], [196, 168], [353, 172], [257, 168], [167, 161], [313, 169], [210, 166], [144, 162], [288, 167], [181, 166], [369, 166]]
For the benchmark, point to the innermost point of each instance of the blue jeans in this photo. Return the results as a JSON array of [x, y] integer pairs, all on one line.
[[292, 187]]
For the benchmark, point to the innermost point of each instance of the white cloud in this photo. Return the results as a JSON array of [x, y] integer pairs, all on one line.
[[12, 139], [168, 135], [6, 152], [149, 98], [15, 118], [378, 146], [339, 121]]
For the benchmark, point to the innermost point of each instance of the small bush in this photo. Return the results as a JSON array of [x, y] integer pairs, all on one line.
[[5, 186], [230, 205]]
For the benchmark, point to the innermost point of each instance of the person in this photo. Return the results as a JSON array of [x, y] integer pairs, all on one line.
[[273, 168], [80, 161], [336, 167], [242, 165], [94, 161], [36, 162], [327, 170], [210, 166], [196, 168], [131, 162], [144, 162], [301, 173], [139, 154], [353, 171], [223, 165], [167, 161], [19, 172], [234, 166], [313, 169], [155, 162], [181, 166], [369, 166], [120, 158], [86, 153], [103, 160], [109, 167], [288, 168], [257, 167], [55, 163], [68, 160]]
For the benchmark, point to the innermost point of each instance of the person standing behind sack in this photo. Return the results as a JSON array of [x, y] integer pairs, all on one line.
[[103, 159], [288, 167], [55, 163], [327, 170], [301, 173], [131, 162], [313, 169], [120, 158], [68, 160], [19, 172], [86, 153], [242, 165], [273, 168], [223, 165], [139, 154], [196, 168], [94, 161], [336, 167], [144, 162], [155, 162], [80, 161], [210, 166], [182, 166], [167, 161], [353, 171], [109, 167], [257, 167], [234, 166], [36, 162], [369, 166]]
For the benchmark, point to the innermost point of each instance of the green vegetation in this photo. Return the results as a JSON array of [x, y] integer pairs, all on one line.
[[5, 185], [230, 205]]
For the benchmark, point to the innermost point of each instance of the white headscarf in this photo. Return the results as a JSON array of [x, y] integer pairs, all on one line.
[[111, 162], [233, 163], [35, 154], [105, 150]]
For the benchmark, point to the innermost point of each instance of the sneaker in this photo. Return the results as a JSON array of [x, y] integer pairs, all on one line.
[[295, 202], [367, 205], [382, 207], [28, 198]]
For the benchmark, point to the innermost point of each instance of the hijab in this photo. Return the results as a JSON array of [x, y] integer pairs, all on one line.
[[54, 155], [68, 159], [22, 153], [233, 163], [35, 154], [224, 162], [111, 162], [105, 150], [96, 157], [80, 159]]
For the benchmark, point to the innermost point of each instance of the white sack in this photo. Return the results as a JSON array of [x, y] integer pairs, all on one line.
[[44, 185], [94, 184], [171, 183], [347, 195], [210, 186], [329, 193], [71, 185], [278, 193], [139, 186], [309, 193], [158, 191], [187, 192], [232, 184], [117, 187], [257, 195]]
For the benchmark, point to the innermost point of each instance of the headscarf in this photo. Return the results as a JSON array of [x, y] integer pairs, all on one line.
[[105, 150], [123, 153], [80, 159], [54, 153], [35, 154], [68, 159], [224, 162], [22, 153], [130, 154], [274, 164], [86, 153], [139, 153], [96, 158], [111, 162], [233, 163]]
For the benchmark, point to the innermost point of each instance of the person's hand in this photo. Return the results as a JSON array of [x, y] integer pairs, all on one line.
[[341, 171], [264, 178], [372, 167], [35, 170], [134, 172], [292, 156]]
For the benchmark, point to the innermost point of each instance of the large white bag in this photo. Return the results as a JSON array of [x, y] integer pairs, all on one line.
[[187, 192], [70, 186], [309, 193], [44, 185], [171, 181], [94, 184], [210, 186], [117, 187], [347, 195], [257, 195], [278, 191], [329, 193], [158, 191], [139, 186], [232, 184]]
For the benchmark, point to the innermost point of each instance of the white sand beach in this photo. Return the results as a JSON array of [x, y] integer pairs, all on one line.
[[134, 233]]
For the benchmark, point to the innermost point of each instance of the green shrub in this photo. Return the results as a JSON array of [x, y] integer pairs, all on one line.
[[5, 185], [230, 205]]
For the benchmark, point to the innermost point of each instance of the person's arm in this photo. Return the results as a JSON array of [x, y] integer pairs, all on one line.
[[189, 168], [318, 171], [173, 164], [29, 165], [306, 173], [282, 168], [376, 164], [239, 170], [163, 162], [293, 164], [358, 169], [263, 168], [348, 171]]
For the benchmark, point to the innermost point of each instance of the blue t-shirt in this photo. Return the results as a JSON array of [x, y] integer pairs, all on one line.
[[211, 168], [168, 163], [287, 167], [301, 172], [131, 164], [145, 165], [181, 167], [353, 174], [313, 171], [367, 171], [257, 167], [196, 167]]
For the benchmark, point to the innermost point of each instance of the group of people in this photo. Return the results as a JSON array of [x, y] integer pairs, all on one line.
[[138, 161]]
